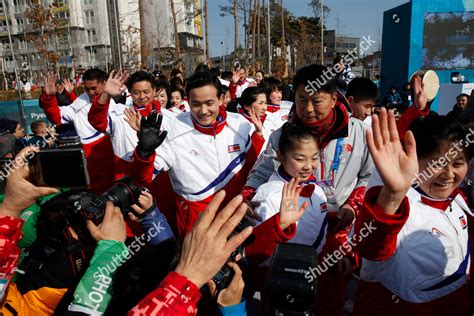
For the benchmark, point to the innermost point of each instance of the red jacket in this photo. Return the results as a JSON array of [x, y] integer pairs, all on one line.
[[97, 146]]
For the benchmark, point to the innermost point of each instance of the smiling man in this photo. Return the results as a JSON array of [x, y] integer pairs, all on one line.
[[343, 170], [206, 150]]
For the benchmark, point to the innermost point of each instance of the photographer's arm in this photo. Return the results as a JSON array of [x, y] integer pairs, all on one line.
[[110, 235], [205, 251]]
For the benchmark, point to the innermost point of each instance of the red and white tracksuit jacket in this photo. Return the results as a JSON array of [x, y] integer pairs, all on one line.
[[178, 296], [236, 89], [97, 146], [110, 119], [312, 227], [271, 123], [417, 261], [283, 109], [201, 161]]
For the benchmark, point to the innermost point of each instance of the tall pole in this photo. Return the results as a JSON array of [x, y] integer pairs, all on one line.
[[117, 32], [322, 32], [206, 29], [269, 48], [21, 106]]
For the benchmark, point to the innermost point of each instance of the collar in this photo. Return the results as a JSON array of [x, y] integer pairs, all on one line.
[[147, 109], [247, 117], [272, 108], [216, 127], [309, 185], [440, 204], [241, 82], [338, 127]]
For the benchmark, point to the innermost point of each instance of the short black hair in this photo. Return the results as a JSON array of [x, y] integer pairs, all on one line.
[[176, 82], [215, 71], [227, 75], [176, 89], [312, 78], [158, 84], [462, 95], [175, 72], [138, 77], [35, 126], [250, 95], [291, 134], [94, 74], [362, 89], [337, 59], [431, 131], [202, 79], [269, 85], [224, 89], [202, 67]]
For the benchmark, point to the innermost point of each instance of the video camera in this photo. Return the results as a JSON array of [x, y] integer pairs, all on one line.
[[290, 287], [122, 194]]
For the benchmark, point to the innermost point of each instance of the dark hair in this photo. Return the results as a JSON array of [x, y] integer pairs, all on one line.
[[215, 71], [250, 95], [94, 74], [175, 72], [160, 85], [163, 78], [462, 95], [291, 134], [7, 125], [227, 75], [312, 76], [140, 275], [260, 71], [224, 89], [176, 82], [176, 89], [362, 89], [35, 126], [138, 77], [233, 106], [269, 85], [202, 79], [202, 67], [431, 131], [337, 59]]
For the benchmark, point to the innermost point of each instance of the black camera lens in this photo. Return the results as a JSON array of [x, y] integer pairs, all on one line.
[[123, 193]]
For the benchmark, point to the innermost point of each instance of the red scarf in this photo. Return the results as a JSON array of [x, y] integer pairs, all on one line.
[[321, 128], [272, 108], [147, 109], [437, 203], [216, 127], [309, 185]]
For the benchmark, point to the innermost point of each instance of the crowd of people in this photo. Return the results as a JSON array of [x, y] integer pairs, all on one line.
[[382, 199]]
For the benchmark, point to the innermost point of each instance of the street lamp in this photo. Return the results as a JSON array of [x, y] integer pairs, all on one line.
[[222, 56]]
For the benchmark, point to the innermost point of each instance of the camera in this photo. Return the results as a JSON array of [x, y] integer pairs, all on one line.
[[122, 194], [223, 278], [290, 286]]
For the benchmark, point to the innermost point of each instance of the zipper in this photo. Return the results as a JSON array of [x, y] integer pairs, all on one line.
[[457, 233], [217, 154]]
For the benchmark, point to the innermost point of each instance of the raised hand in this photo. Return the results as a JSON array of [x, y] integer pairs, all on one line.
[[207, 247], [116, 83], [421, 100], [150, 135], [396, 167], [289, 211], [68, 85], [50, 83], [235, 76], [133, 118], [256, 122]]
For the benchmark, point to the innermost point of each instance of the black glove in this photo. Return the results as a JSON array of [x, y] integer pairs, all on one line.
[[150, 136]]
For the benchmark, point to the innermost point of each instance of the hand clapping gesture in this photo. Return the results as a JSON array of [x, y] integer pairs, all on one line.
[[397, 167]]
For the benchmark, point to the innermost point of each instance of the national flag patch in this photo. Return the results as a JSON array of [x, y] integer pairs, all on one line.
[[436, 232], [233, 148], [463, 222], [347, 148], [323, 207], [284, 117]]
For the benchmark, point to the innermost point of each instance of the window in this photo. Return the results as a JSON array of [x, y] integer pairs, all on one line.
[[89, 17], [20, 24]]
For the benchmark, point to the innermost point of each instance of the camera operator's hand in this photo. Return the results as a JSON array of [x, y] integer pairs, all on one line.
[[150, 136], [289, 211], [206, 248], [19, 192], [231, 295], [145, 204], [112, 226]]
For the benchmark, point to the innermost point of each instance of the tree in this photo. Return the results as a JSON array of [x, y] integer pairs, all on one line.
[[43, 32]]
